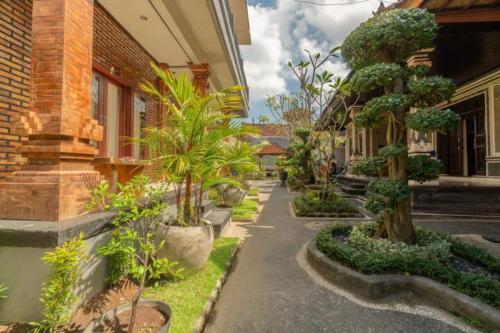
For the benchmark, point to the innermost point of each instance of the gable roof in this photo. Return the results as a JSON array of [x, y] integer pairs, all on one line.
[[272, 149]]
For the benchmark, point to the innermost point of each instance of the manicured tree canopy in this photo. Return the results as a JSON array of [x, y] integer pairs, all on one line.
[[378, 51]]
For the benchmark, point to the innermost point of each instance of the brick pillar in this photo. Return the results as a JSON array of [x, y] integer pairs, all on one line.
[[418, 142], [201, 73], [54, 184]]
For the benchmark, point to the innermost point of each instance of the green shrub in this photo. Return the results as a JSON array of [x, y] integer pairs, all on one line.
[[58, 296], [313, 202], [432, 257]]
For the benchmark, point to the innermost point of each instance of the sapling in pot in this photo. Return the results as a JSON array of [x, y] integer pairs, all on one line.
[[138, 207]]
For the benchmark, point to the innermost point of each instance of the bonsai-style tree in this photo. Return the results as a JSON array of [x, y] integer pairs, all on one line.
[[378, 51], [190, 147]]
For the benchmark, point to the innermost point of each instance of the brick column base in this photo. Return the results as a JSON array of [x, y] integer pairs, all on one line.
[[46, 195]]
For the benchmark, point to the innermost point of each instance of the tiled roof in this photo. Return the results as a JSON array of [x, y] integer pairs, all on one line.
[[272, 149]]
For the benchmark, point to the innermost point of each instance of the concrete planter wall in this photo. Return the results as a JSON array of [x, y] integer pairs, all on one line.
[[377, 288], [189, 246]]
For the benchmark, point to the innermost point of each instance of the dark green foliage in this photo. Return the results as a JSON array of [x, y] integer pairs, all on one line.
[[397, 33], [374, 205], [432, 119], [422, 168], [431, 90], [370, 167], [419, 70], [432, 257], [313, 202], [372, 112], [393, 150], [392, 189], [375, 76]]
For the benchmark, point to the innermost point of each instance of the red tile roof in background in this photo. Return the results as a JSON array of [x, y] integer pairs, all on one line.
[[272, 149]]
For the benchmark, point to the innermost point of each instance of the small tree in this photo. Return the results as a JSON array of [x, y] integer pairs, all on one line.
[[378, 51], [138, 208], [189, 148], [303, 111]]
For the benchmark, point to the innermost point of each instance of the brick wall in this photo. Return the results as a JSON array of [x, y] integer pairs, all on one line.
[[15, 76], [114, 47]]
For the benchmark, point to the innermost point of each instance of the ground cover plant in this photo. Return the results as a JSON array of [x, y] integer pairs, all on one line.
[[322, 201], [58, 295], [466, 268], [253, 192], [188, 296], [245, 210], [403, 98]]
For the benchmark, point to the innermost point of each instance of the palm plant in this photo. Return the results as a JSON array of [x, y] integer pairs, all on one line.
[[191, 146]]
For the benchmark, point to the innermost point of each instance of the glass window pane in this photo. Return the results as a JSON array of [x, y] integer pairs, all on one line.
[[139, 122], [496, 114], [112, 121]]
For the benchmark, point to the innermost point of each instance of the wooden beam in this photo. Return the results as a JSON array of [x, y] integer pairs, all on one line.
[[469, 16]]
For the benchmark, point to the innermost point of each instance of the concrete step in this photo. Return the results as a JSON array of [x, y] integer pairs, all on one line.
[[220, 219], [352, 190], [463, 208], [450, 217]]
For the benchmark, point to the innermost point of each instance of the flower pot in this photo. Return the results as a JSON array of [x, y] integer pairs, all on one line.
[[163, 308], [189, 246]]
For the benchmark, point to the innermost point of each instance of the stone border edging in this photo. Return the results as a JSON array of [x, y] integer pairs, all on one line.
[[377, 287], [199, 326]]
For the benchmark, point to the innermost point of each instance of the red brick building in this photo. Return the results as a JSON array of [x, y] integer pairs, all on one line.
[[69, 88]]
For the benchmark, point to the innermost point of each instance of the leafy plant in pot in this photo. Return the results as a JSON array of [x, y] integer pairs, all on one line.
[[190, 151], [138, 206]]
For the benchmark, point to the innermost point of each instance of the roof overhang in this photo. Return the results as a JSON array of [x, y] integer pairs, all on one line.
[[179, 32]]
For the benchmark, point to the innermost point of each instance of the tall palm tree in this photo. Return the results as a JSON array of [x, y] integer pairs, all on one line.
[[191, 146]]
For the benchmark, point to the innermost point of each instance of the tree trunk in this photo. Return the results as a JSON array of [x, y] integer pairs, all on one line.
[[398, 225], [133, 312], [187, 198]]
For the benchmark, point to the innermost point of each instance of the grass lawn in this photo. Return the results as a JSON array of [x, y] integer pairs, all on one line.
[[246, 209], [187, 297], [253, 192]]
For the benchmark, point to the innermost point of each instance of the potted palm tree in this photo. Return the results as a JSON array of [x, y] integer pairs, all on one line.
[[190, 151]]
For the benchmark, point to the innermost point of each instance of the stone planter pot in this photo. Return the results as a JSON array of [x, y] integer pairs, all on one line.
[[189, 246], [95, 325], [233, 196]]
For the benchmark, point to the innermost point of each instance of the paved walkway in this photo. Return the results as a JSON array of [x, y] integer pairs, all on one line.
[[268, 291]]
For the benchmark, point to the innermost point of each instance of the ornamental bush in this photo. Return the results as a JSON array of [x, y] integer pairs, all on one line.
[[312, 203], [433, 256]]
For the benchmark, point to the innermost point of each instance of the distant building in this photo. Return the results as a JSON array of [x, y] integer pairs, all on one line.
[[276, 137]]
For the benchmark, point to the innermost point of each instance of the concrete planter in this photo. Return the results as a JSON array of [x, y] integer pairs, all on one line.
[[233, 196], [95, 325], [378, 288], [189, 246]]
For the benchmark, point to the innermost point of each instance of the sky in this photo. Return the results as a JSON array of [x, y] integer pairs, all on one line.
[[281, 30]]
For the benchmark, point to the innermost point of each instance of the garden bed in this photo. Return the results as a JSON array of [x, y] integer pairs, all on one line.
[[467, 269], [246, 211], [309, 204], [187, 298]]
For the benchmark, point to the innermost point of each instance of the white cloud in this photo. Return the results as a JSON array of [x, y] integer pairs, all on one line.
[[264, 61], [280, 33]]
